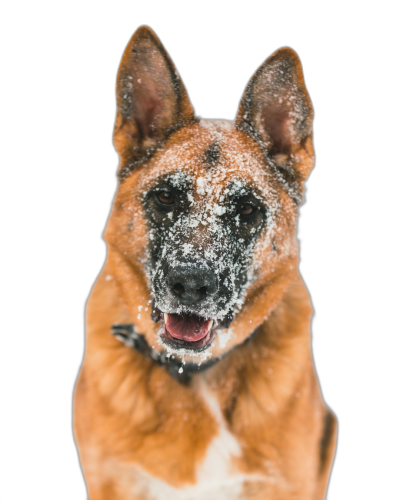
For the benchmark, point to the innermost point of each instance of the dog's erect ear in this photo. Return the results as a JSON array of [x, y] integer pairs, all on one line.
[[151, 98], [276, 109]]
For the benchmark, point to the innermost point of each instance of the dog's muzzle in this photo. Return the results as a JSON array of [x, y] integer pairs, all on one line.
[[192, 284]]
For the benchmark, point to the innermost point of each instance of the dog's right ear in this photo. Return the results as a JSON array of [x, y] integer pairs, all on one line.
[[151, 99]]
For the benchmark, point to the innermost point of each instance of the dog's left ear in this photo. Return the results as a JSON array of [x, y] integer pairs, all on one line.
[[151, 98], [277, 111]]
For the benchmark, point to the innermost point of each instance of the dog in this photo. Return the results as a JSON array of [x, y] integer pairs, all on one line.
[[198, 379]]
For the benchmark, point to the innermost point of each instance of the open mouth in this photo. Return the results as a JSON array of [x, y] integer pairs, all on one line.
[[187, 331]]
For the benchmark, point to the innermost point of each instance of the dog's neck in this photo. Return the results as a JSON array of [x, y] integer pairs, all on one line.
[[181, 372]]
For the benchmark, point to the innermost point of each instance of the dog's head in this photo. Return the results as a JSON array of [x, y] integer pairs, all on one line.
[[202, 235]]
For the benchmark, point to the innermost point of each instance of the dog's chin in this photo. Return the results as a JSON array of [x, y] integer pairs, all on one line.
[[187, 332]]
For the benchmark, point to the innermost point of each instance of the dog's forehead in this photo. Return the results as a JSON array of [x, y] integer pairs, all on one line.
[[211, 152]]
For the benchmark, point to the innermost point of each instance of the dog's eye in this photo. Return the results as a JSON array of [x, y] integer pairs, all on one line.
[[246, 209], [166, 198]]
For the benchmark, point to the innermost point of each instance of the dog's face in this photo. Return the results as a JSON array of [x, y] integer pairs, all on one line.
[[204, 221]]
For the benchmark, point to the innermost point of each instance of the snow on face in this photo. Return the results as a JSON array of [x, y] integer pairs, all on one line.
[[206, 188]]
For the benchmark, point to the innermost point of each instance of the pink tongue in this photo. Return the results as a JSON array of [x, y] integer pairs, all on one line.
[[189, 328]]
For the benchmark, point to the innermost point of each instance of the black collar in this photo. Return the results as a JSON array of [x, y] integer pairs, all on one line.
[[181, 372]]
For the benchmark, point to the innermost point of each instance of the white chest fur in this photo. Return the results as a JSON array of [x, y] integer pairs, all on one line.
[[217, 465], [217, 478]]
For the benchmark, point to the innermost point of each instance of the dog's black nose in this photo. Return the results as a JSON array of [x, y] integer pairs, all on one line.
[[192, 284]]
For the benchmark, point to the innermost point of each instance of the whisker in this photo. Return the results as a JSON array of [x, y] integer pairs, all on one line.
[[148, 293], [134, 279]]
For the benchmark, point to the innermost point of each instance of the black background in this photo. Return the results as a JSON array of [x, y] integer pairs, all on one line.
[[77, 63]]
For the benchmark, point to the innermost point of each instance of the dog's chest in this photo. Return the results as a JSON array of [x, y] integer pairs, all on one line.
[[217, 476]]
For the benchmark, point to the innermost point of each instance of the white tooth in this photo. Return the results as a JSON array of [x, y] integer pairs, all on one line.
[[210, 324], [165, 317]]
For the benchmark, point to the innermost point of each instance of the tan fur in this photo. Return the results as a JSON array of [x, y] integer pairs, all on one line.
[[132, 419]]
